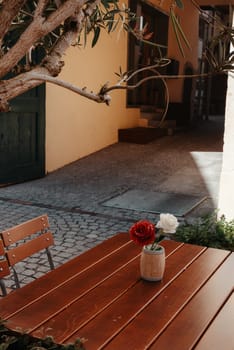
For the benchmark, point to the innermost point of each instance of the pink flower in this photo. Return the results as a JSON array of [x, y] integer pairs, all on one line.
[[142, 232]]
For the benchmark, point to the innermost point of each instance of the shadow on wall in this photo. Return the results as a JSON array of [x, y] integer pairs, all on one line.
[[182, 111]]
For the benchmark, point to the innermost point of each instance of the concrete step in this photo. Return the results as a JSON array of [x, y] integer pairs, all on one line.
[[147, 108], [164, 124], [140, 135], [157, 115], [143, 122]]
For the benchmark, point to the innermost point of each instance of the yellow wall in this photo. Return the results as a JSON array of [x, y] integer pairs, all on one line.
[[75, 126]]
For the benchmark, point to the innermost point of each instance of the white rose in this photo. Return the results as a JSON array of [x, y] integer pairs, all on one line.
[[168, 223]]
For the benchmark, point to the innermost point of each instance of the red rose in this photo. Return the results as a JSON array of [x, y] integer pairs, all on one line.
[[142, 232]]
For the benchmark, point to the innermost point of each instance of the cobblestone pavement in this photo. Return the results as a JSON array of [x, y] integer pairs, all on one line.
[[73, 196]]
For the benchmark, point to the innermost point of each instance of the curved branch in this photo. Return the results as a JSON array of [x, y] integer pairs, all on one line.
[[156, 65], [106, 89]]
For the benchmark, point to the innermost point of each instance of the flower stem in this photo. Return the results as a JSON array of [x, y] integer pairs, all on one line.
[[154, 246]]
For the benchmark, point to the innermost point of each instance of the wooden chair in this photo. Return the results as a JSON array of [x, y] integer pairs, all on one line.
[[19, 242]]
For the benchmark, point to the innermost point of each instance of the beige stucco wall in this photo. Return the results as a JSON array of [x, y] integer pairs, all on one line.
[[226, 189], [226, 193], [75, 126]]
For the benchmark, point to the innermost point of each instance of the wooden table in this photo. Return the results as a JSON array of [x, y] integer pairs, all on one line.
[[99, 296]]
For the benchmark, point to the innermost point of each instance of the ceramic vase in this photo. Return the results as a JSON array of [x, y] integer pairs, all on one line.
[[152, 263]]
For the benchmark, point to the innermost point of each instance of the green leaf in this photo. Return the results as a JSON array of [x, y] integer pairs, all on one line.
[[228, 67], [174, 25], [179, 4], [212, 59], [85, 33], [181, 32], [97, 31]]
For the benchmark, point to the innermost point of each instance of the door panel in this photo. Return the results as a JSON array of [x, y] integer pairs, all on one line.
[[22, 138]]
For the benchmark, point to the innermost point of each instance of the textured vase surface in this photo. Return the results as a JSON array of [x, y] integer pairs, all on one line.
[[152, 264]]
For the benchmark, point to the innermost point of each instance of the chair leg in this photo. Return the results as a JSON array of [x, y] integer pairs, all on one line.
[[3, 287], [50, 258], [16, 278]]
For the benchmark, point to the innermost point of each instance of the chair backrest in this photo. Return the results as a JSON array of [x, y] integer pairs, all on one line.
[[2, 250], [27, 228], [19, 242]]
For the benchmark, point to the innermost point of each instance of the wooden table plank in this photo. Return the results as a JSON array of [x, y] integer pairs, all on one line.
[[60, 298], [100, 296], [165, 307], [113, 319], [26, 295], [220, 334], [91, 304], [192, 321]]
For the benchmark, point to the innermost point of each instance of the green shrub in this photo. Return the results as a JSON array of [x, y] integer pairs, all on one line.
[[207, 231], [10, 340]]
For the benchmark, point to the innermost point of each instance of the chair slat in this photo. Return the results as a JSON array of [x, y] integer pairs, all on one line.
[[24, 229], [2, 250], [4, 268], [23, 251], [4, 271]]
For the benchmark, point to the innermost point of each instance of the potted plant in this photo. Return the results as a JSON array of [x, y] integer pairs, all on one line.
[[148, 235]]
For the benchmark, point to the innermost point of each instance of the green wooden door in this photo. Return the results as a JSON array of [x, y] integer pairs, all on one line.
[[22, 138]]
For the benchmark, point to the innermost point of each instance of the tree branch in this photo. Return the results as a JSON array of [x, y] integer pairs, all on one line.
[[13, 87], [40, 7], [105, 89], [53, 60], [36, 30], [80, 91], [18, 85], [7, 14], [51, 65], [162, 63]]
